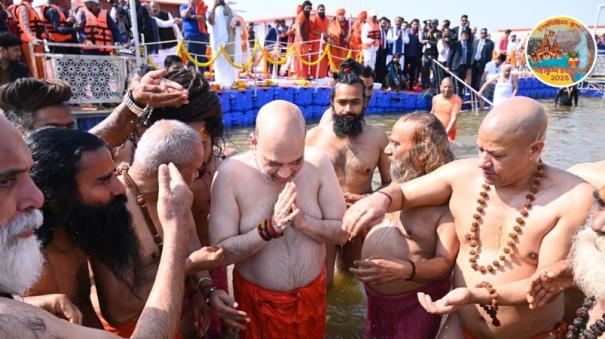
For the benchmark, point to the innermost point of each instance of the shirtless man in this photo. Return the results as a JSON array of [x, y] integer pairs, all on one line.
[[273, 210], [446, 107], [413, 251], [21, 258], [85, 215], [593, 172], [366, 73], [201, 111], [487, 196], [355, 148], [122, 300]]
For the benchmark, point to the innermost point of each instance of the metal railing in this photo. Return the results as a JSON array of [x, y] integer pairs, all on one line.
[[93, 79], [475, 96]]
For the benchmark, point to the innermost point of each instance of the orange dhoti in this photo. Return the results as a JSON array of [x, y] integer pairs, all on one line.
[[304, 50], [126, 330], [297, 314]]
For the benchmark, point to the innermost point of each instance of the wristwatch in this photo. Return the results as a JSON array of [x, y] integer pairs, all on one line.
[[134, 107]]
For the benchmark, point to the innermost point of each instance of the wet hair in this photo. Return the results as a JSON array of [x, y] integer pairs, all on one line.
[[204, 104], [350, 73], [431, 145], [307, 3], [8, 40], [171, 60], [22, 98], [57, 153]]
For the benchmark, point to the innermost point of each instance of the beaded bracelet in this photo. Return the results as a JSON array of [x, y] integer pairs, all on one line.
[[492, 309], [262, 230]]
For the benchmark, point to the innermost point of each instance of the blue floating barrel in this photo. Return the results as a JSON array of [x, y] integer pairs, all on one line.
[[262, 97], [284, 93], [303, 96], [321, 96], [242, 100], [225, 98], [227, 119]]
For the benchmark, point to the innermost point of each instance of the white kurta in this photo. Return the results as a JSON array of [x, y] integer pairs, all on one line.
[[224, 73]]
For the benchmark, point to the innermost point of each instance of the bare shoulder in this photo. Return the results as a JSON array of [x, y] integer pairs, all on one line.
[[377, 134], [233, 164], [313, 134], [573, 192], [20, 320], [593, 172], [316, 157]]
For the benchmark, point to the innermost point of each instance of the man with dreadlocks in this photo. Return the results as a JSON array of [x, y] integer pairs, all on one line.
[[31, 103], [162, 143], [203, 113], [412, 251], [355, 148]]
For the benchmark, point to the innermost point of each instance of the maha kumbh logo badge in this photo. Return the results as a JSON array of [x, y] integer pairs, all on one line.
[[561, 51]]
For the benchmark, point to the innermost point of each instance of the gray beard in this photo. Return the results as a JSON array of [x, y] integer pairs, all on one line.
[[403, 170], [21, 260], [588, 260]]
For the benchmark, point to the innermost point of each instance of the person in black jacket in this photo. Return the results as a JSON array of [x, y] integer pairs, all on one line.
[[459, 60], [566, 95], [483, 48], [10, 54]]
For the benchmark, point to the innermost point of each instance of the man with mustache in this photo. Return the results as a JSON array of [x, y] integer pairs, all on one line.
[[274, 209], [413, 251], [355, 148], [122, 299], [514, 215], [319, 31], [84, 215], [21, 259]]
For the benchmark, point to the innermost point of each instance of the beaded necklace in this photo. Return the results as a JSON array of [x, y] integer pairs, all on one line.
[[578, 328], [473, 236]]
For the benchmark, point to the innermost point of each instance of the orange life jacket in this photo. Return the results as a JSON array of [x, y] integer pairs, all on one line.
[[52, 33], [97, 30], [35, 24], [374, 33]]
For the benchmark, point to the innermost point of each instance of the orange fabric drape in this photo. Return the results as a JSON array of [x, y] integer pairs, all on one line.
[[320, 26], [355, 39], [297, 314]]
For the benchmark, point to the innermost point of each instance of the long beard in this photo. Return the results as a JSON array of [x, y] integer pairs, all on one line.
[[589, 261], [404, 169], [344, 126], [105, 233], [21, 260]]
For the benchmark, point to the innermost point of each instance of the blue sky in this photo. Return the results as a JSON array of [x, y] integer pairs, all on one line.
[[487, 13]]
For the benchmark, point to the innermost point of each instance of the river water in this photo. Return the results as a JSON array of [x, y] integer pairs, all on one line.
[[573, 136]]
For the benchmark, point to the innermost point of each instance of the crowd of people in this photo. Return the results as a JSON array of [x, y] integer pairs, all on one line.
[[128, 229], [403, 55]]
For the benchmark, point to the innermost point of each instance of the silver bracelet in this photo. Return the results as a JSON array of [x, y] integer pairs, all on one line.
[[202, 279], [134, 107]]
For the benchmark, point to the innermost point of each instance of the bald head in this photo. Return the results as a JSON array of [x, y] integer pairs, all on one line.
[[447, 87], [280, 121], [519, 118], [279, 142], [447, 80], [168, 141]]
